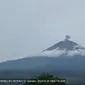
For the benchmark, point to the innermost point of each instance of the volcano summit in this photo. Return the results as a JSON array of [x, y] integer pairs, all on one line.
[[65, 47]]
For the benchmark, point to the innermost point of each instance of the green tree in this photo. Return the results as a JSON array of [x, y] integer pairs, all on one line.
[[45, 79]]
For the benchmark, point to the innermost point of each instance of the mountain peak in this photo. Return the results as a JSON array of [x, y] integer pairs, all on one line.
[[66, 44]]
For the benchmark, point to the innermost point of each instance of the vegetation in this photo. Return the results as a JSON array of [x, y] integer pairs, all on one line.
[[45, 79]]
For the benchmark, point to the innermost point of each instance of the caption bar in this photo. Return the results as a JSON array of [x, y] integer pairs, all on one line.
[[30, 81]]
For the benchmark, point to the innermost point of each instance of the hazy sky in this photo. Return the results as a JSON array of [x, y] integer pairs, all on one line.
[[29, 26]]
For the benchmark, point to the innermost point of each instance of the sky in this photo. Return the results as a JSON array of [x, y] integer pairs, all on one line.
[[30, 26]]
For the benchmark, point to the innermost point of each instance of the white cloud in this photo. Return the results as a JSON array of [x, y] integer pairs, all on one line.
[[57, 53]]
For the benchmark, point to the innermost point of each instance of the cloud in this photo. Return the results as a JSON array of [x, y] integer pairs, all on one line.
[[57, 53]]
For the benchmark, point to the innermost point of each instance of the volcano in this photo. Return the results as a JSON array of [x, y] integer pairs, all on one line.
[[66, 44], [63, 50], [66, 47], [69, 61]]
